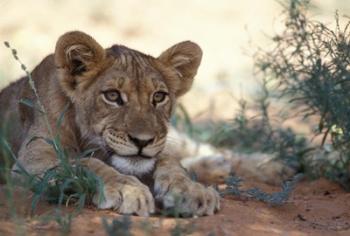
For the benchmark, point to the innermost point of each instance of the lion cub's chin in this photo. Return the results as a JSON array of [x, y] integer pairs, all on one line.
[[133, 165]]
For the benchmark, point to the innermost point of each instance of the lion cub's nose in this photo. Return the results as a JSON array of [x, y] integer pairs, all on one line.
[[140, 141]]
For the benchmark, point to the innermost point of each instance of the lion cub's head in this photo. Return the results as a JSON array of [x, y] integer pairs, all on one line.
[[123, 99]]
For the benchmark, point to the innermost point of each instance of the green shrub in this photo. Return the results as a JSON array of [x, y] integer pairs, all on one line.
[[257, 133], [309, 62]]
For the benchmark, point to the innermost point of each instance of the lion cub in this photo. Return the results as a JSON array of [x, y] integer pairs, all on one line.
[[121, 102]]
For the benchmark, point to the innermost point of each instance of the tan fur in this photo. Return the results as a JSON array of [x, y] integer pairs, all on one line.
[[213, 165], [130, 133]]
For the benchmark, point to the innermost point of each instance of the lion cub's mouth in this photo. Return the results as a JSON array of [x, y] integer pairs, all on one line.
[[134, 157], [133, 164]]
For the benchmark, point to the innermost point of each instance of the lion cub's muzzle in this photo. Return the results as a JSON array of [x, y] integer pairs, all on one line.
[[133, 145], [141, 142]]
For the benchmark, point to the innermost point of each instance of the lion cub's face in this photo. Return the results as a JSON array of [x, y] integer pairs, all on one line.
[[123, 98]]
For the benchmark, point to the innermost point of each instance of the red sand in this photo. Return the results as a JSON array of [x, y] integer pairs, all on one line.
[[315, 208]]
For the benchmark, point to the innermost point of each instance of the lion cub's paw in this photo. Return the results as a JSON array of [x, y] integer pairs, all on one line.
[[127, 195], [186, 197]]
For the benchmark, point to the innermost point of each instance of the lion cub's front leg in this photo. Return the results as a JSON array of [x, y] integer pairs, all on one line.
[[174, 189], [124, 193]]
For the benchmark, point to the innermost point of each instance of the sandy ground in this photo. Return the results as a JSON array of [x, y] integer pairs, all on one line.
[[315, 208]]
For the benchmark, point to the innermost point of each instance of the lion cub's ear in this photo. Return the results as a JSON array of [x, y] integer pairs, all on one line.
[[78, 58], [184, 58]]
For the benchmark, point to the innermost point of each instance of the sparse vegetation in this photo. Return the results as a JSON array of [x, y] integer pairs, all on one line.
[[68, 182], [307, 67], [64, 221], [274, 199], [118, 227], [260, 133], [309, 63], [182, 229]]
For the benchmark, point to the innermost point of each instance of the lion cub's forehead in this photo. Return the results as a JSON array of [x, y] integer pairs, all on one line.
[[119, 79], [133, 62], [132, 70]]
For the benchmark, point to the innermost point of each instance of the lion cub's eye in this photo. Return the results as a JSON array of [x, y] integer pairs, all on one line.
[[159, 97], [113, 96]]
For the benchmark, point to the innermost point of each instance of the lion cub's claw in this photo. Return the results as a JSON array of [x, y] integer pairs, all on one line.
[[127, 195], [186, 197]]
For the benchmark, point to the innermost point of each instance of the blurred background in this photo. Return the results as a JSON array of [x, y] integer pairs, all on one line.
[[229, 32]]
